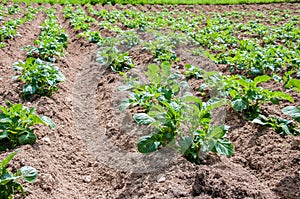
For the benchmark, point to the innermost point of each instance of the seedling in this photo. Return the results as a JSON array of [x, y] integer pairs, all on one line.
[[16, 123]]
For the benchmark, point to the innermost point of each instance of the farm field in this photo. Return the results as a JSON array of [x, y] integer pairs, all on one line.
[[152, 101]]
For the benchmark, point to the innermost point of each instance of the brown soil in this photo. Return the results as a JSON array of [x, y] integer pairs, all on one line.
[[265, 164]]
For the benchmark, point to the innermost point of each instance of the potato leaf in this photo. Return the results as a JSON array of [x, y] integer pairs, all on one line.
[[224, 147], [143, 118], [147, 144], [29, 173], [239, 105], [292, 111]]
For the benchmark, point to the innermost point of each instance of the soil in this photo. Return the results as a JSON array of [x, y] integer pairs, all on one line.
[[265, 164]]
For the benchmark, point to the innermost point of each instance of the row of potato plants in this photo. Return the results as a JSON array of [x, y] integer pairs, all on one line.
[[9, 27], [261, 50], [38, 71], [40, 77], [9, 10]]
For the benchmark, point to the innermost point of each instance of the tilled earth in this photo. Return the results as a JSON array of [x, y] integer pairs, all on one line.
[[265, 164]]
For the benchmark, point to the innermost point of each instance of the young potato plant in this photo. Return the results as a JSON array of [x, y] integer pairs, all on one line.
[[52, 40], [182, 123], [112, 57], [245, 95], [40, 77], [9, 28], [162, 49], [16, 123], [10, 183], [163, 86], [280, 125]]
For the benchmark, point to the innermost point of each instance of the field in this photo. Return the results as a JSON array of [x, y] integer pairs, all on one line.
[[151, 101]]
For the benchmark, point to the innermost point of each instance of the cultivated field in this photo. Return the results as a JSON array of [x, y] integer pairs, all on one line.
[[151, 101]]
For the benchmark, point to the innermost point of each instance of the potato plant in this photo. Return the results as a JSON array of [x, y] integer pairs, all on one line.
[[9, 27], [178, 119], [245, 95], [40, 77], [52, 40], [10, 183], [16, 125]]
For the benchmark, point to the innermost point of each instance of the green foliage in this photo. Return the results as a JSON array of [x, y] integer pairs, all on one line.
[[78, 18], [163, 48], [93, 2], [246, 95], [52, 40], [16, 123], [163, 86], [9, 27], [293, 112], [10, 182], [40, 77], [281, 126], [114, 58], [129, 39], [179, 122], [184, 125], [193, 71], [13, 9]]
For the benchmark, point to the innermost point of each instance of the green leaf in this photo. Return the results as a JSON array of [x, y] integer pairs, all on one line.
[[27, 138], [283, 95], [286, 129], [292, 111], [36, 119], [239, 105], [224, 147], [193, 99], [124, 104], [48, 122], [185, 143], [259, 79], [143, 118], [3, 135], [8, 159], [259, 121], [243, 83], [29, 89], [147, 144], [29, 174], [5, 120], [216, 132], [293, 83]]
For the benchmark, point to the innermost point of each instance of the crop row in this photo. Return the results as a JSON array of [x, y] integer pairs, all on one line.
[[40, 77], [9, 27]]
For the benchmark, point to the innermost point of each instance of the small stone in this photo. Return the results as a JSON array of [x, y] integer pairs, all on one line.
[[87, 179], [161, 178], [46, 140]]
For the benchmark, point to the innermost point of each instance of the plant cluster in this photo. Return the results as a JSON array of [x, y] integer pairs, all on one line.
[[9, 27], [112, 57], [38, 72], [178, 119], [79, 20], [16, 123], [245, 95], [40, 77], [10, 183], [52, 40]]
